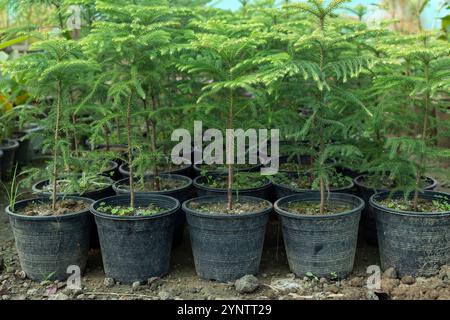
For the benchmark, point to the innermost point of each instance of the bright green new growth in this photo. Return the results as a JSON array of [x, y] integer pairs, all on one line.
[[348, 94]]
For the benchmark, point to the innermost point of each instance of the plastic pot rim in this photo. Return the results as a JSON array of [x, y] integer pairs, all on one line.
[[216, 216], [12, 144], [316, 196], [35, 189], [189, 183], [386, 194], [197, 168], [333, 190], [165, 213], [113, 165], [358, 183], [9, 212], [32, 128], [123, 169]]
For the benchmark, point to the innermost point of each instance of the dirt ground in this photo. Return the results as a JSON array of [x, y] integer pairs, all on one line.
[[273, 282]]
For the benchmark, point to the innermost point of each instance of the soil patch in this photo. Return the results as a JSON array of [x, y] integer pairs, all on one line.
[[307, 182], [124, 211], [313, 208], [149, 185], [239, 207], [424, 206], [44, 209], [241, 181]]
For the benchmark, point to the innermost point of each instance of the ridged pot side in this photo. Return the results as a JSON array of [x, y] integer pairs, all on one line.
[[323, 245], [415, 244]]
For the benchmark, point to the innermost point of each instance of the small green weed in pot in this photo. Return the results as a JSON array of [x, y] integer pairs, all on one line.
[[123, 211], [423, 205]]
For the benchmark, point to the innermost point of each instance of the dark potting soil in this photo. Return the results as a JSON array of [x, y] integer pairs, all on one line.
[[149, 185], [313, 208], [385, 183], [306, 182], [424, 206], [224, 167], [168, 167], [240, 181], [239, 207], [295, 167], [44, 209], [124, 211]]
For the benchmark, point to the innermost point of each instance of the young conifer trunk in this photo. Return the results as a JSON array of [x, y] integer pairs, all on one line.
[[230, 138], [425, 129], [130, 151], [55, 147], [321, 133], [154, 145]]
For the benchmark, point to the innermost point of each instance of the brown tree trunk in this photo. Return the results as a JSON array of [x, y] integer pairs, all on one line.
[[55, 141], [130, 150]]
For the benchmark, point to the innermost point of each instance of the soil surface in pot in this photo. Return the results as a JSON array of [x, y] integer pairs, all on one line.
[[224, 167], [312, 208], [124, 211], [239, 207], [295, 167], [424, 205], [385, 183], [149, 185], [79, 187], [167, 167], [240, 181], [44, 209], [306, 182]]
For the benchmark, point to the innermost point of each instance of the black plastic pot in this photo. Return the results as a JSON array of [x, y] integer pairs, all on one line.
[[184, 170], [112, 171], [348, 172], [22, 153], [38, 188], [368, 219], [282, 191], [323, 245], [1, 156], [94, 195], [8, 147], [25, 153], [226, 247], [415, 244], [120, 148], [136, 248], [262, 192], [47, 246], [301, 160], [181, 194]]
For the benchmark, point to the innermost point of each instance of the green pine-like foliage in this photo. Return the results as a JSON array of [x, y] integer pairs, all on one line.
[[346, 94]]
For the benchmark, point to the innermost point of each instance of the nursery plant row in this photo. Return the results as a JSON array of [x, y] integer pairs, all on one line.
[[362, 112]]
